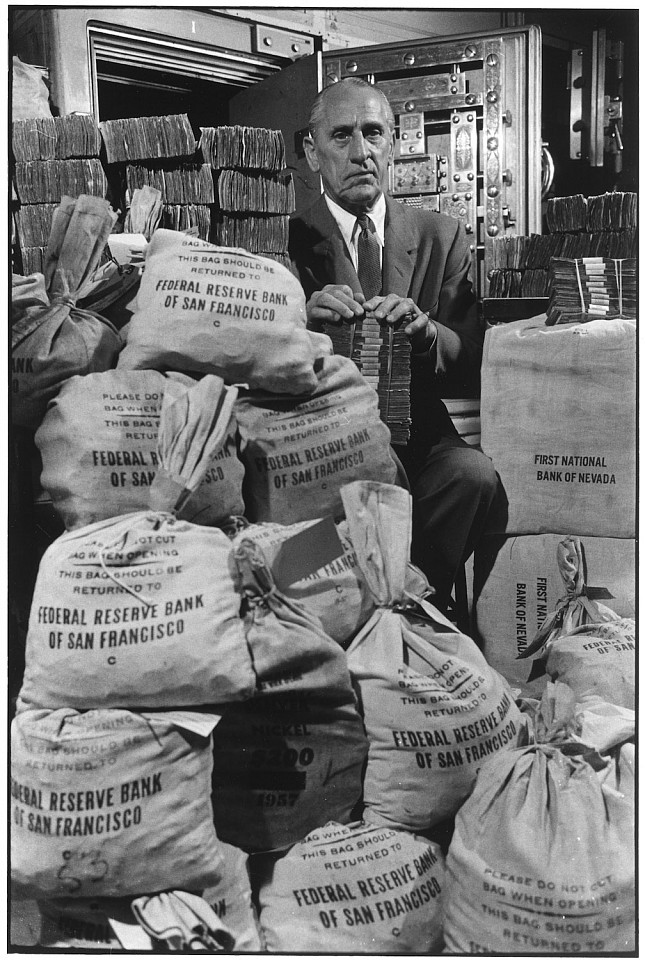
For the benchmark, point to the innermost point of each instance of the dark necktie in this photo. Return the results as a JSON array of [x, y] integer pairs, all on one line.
[[369, 258]]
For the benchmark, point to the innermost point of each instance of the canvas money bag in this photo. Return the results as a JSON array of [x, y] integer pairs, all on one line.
[[435, 713], [141, 610], [292, 756], [298, 453], [541, 860], [51, 338], [355, 888], [584, 642], [98, 444], [108, 803], [208, 309]]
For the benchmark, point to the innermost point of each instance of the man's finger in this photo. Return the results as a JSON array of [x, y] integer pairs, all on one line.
[[387, 305], [418, 325]]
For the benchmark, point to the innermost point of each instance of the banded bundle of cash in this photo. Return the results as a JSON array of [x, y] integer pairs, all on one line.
[[245, 148], [48, 181], [187, 216], [55, 138], [255, 192], [609, 211], [612, 211], [257, 234], [382, 354], [34, 223], [591, 287], [147, 138], [566, 214], [182, 183]]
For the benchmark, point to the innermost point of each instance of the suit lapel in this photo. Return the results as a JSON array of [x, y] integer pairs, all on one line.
[[334, 265], [330, 252], [400, 250]]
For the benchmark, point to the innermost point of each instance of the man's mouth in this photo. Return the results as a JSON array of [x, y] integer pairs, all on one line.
[[364, 175]]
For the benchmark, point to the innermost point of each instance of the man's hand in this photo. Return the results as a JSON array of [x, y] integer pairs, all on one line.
[[394, 310], [336, 304]]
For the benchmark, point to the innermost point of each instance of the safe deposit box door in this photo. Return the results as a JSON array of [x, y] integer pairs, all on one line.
[[468, 125]]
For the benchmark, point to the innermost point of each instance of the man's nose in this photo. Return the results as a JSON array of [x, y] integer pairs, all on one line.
[[359, 151]]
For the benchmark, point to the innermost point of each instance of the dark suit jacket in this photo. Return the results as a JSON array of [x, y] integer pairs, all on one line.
[[425, 257]]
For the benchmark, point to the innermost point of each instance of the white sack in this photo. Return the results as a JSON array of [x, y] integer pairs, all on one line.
[[435, 712], [299, 453], [98, 445], [139, 611], [110, 803], [541, 860], [522, 584], [355, 889], [558, 416], [208, 309]]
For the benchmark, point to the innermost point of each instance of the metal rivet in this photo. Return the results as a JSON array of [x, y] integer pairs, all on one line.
[[268, 41], [492, 59], [492, 143], [456, 118], [404, 136], [470, 99], [471, 176], [295, 47], [443, 161], [471, 247], [453, 89], [455, 197], [470, 51], [469, 229], [493, 230], [443, 188], [456, 177], [332, 77], [410, 106], [492, 191], [419, 135], [409, 59], [351, 66], [468, 196], [491, 96], [469, 118], [453, 78]]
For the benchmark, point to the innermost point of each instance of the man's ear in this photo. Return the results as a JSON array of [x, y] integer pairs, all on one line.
[[390, 156], [310, 153]]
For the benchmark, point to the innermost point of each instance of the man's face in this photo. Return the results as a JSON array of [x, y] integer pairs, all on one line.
[[352, 148]]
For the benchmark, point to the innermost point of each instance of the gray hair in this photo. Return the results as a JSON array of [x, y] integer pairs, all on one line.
[[318, 105]]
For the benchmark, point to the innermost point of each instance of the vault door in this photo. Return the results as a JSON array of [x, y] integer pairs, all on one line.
[[281, 102]]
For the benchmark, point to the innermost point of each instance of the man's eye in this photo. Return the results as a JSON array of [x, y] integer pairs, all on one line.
[[374, 134], [341, 136]]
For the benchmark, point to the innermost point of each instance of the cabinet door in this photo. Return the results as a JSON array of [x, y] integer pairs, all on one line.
[[282, 102]]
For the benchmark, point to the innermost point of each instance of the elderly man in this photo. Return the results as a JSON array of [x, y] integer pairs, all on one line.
[[357, 250]]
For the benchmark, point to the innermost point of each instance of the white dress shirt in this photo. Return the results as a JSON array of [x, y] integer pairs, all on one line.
[[349, 228]]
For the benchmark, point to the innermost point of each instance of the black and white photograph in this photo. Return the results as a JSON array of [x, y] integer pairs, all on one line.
[[322, 480]]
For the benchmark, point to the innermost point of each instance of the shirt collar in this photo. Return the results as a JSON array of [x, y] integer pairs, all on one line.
[[347, 221]]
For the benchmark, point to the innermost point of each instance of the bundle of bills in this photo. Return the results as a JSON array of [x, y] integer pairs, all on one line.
[[591, 287], [141, 138]]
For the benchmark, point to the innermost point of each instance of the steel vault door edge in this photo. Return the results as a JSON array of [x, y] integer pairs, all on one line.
[[282, 102]]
